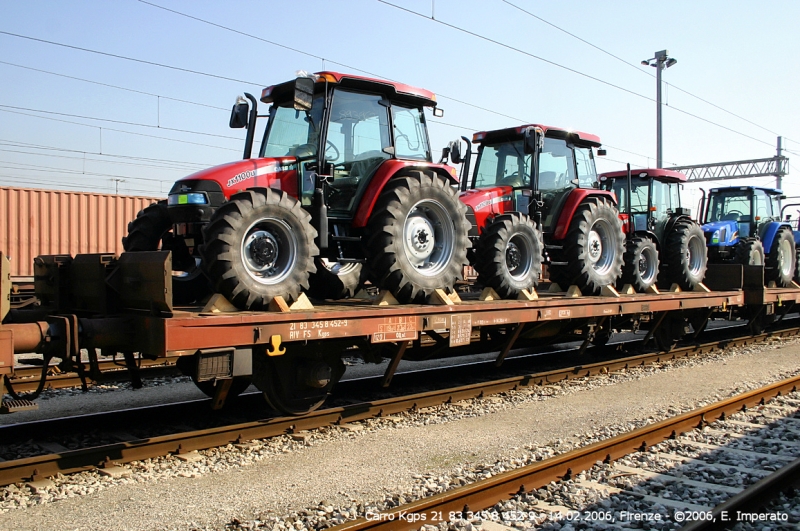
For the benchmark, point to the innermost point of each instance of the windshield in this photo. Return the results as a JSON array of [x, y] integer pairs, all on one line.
[[290, 129], [732, 205], [503, 164], [639, 193]]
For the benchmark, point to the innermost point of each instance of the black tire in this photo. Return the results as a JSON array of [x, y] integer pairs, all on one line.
[[419, 237], [593, 259], [686, 255], [797, 267], [671, 330], [749, 251], [151, 231], [640, 264], [334, 280], [259, 245], [509, 255], [780, 262]]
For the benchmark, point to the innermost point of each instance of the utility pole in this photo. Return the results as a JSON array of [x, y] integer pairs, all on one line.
[[659, 62], [778, 173]]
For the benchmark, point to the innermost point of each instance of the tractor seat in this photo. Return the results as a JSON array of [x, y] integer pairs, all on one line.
[[730, 217], [547, 180]]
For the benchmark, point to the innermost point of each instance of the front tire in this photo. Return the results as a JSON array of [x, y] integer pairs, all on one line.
[[509, 255], [334, 280], [687, 256], [749, 251], [419, 237], [592, 249], [780, 261], [640, 266], [152, 231], [260, 245]]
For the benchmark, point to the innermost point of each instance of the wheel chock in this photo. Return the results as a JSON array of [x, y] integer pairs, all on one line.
[[219, 304], [702, 288], [488, 294], [627, 289], [574, 291], [440, 297], [278, 304], [675, 289], [302, 303], [654, 290], [454, 297], [609, 291], [795, 285], [771, 284], [528, 295], [554, 288], [363, 295], [385, 298]]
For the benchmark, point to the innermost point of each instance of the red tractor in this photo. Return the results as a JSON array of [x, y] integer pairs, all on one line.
[[533, 199], [343, 179]]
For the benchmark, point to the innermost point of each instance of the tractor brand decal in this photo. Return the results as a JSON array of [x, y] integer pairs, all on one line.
[[488, 202], [249, 174]]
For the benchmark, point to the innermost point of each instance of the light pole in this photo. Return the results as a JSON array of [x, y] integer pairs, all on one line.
[[659, 62]]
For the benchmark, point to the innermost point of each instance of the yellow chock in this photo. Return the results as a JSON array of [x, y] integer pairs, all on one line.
[[440, 297], [627, 289], [278, 304], [488, 294], [574, 291], [675, 288], [702, 288], [554, 288], [609, 291], [302, 303], [218, 304], [385, 298], [654, 290], [528, 295]]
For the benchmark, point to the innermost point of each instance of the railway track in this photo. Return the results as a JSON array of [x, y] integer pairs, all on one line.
[[115, 447], [677, 471]]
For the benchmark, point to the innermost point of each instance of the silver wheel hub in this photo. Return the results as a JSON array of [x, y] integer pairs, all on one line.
[[785, 257], [269, 250], [419, 237], [428, 235]]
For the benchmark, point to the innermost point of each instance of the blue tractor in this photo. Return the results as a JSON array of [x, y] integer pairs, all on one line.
[[742, 225]]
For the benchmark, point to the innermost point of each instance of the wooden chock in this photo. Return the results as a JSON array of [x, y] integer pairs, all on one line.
[[608, 291], [653, 289], [771, 284], [528, 295], [702, 288], [385, 298], [795, 285], [554, 288], [278, 304], [454, 297], [627, 289], [574, 291], [302, 303], [363, 295], [488, 294], [675, 288], [440, 297], [219, 304]]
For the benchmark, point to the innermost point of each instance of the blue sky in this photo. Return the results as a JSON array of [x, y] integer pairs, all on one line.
[[576, 66]]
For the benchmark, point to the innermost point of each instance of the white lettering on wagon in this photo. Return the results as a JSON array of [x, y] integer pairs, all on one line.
[[314, 329]]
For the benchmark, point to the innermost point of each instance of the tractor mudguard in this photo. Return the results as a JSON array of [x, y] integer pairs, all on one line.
[[769, 233], [386, 171], [574, 200]]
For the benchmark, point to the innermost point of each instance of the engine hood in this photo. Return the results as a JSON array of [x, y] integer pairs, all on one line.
[[279, 173]]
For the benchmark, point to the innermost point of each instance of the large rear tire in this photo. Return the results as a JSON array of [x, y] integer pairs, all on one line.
[[749, 251], [509, 255], [419, 237], [780, 261], [686, 255], [640, 264], [152, 231], [260, 245], [592, 249], [334, 280]]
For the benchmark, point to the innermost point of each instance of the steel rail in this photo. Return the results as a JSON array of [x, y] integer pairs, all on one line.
[[37, 467], [485, 494]]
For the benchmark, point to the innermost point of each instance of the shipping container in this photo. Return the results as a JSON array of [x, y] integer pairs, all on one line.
[[37, 221]]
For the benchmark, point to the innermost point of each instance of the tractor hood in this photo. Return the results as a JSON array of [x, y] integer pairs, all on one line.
[[721, 232], [279, 173]]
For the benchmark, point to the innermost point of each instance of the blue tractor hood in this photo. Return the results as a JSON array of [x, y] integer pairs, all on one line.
[[721, 233]]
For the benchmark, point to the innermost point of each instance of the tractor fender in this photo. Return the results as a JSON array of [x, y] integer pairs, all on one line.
[[768, 236], [571, 205], [649, 235], [386, 171]]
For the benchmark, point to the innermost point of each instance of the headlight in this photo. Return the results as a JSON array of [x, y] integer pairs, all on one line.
[[715, 237], [195, 198]]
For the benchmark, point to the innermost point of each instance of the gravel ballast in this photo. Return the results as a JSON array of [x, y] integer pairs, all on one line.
[[385, 462]]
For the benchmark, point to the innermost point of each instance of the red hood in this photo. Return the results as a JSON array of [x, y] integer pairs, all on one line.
[[279, 173]]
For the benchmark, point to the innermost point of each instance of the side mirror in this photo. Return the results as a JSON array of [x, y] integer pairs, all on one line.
[[455, 152], [239, 113], [601, 152], [303, 93], [437, 112]]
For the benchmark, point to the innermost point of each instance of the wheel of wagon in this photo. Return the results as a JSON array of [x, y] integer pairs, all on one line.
[[780, 261], [259, 245], [509, 255], [151, 231], [296, 385], [640, 264], [592, 249], [188, 366], [686, 255], [419, 237], [797, 266], [670, 331], [334, 280], [749, 251]]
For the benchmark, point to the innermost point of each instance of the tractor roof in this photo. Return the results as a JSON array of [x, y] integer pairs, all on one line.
[[770, 191], [513, 133], [392, 90], [659, 174]]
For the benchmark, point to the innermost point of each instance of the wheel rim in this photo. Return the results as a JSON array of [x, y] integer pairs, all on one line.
[[269, 250], [338, 268], [647, 265], [519, 258], [600, 248], [428, 237], [785, 258], [694, 255]]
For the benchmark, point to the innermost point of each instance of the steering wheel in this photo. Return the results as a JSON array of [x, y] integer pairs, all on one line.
[[512, 180], [330, 145]]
